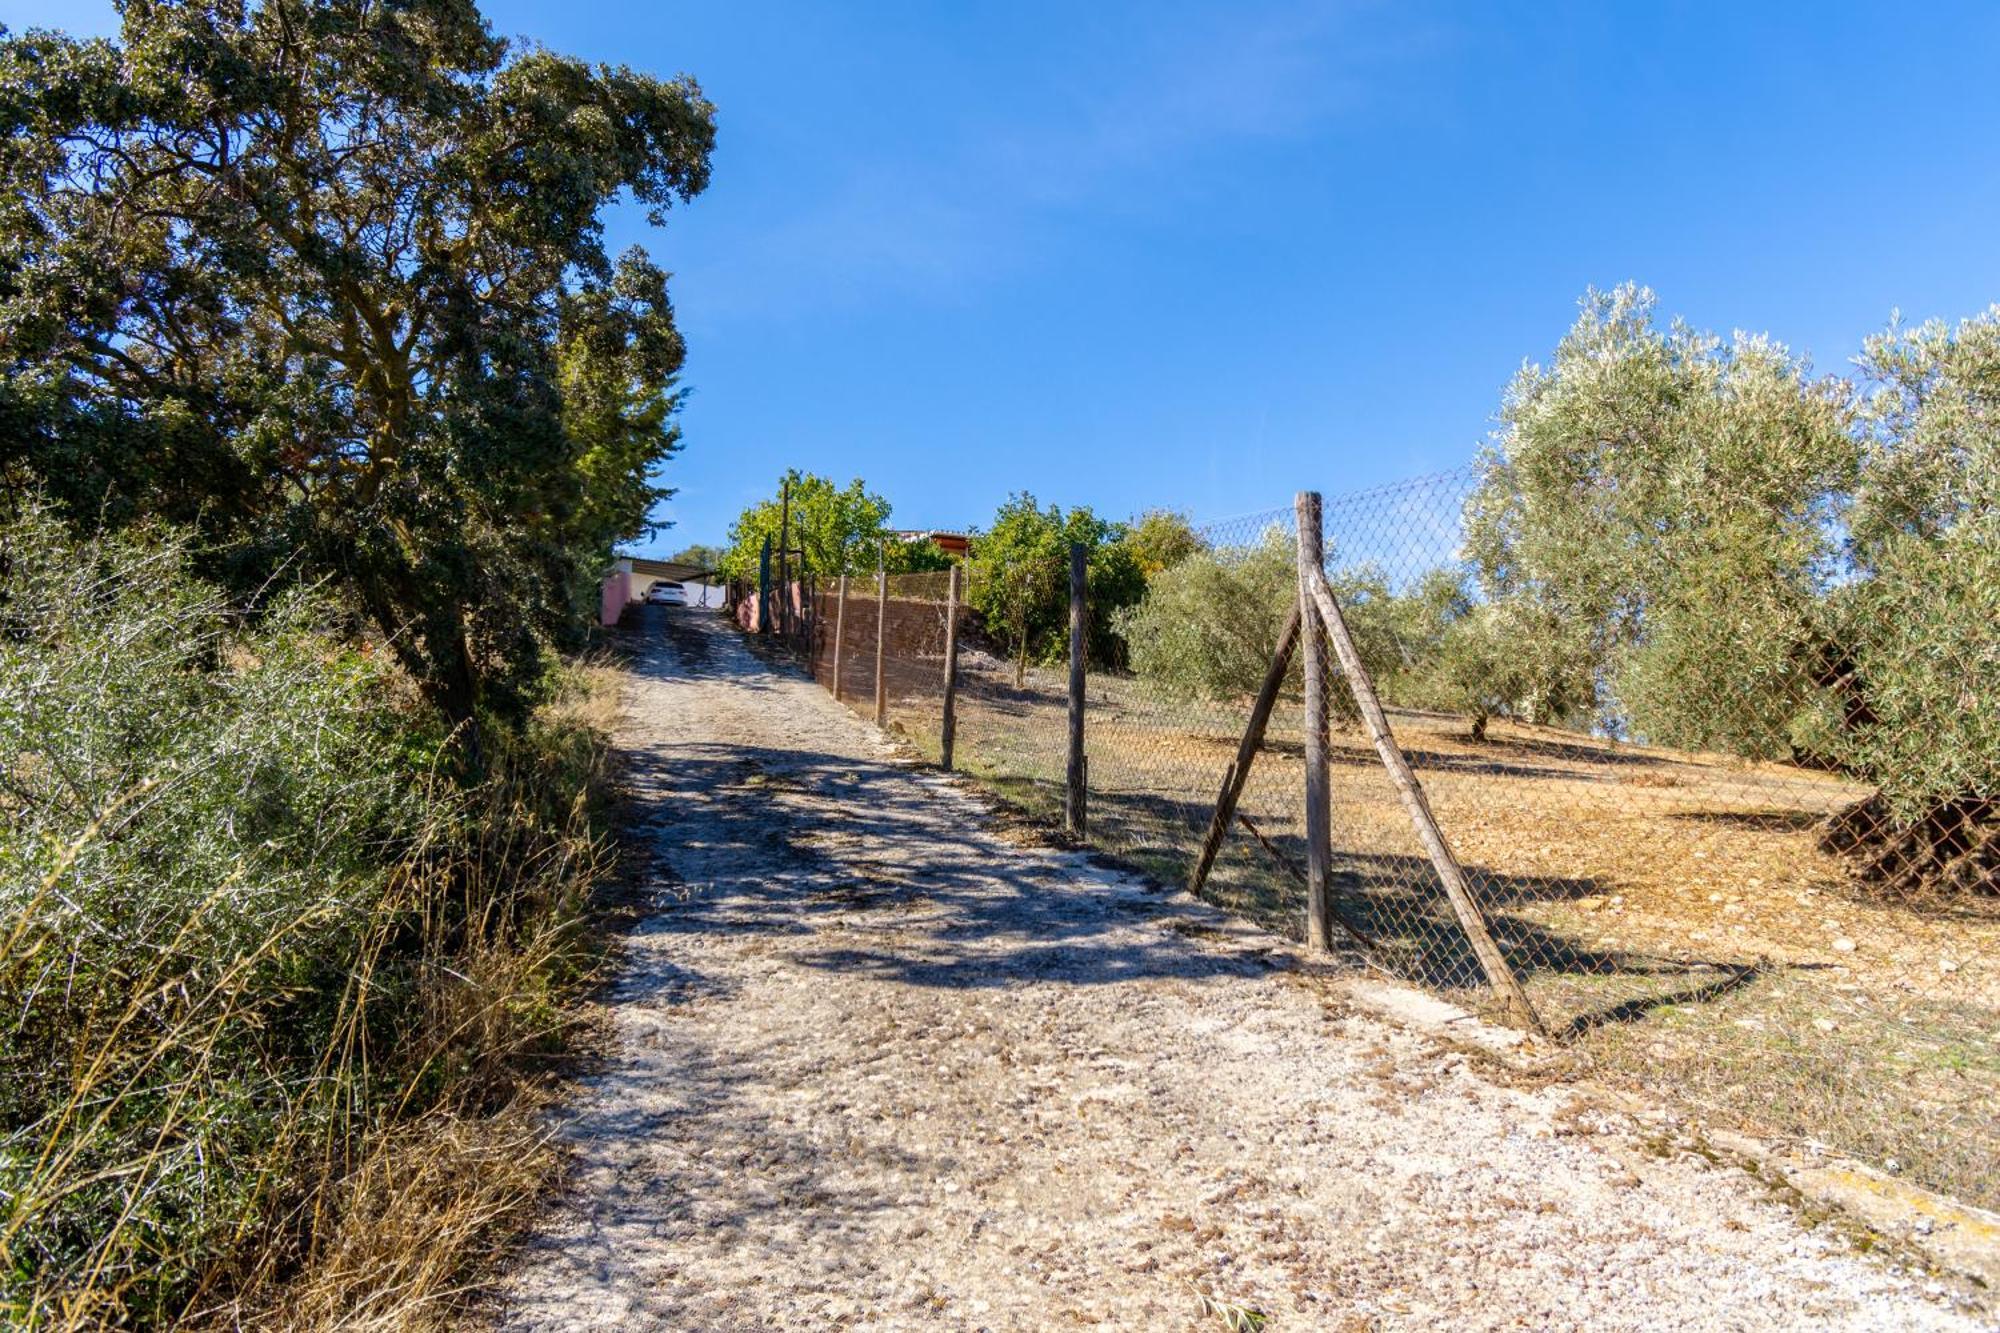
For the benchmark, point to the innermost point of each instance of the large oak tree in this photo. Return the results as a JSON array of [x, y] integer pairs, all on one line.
[[327, 280]]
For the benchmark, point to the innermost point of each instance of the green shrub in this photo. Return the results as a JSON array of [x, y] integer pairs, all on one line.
[[243, 930], [1208, 626], [199, 816], [1019, 581]]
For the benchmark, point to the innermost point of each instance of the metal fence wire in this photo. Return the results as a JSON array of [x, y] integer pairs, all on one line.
[[1748, 935]]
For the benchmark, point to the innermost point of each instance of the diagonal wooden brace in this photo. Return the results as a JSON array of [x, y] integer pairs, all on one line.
[[1238, 773], [1272, 850], [1456, 887]]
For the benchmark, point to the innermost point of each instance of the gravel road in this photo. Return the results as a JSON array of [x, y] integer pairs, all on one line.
[[874, 1066]]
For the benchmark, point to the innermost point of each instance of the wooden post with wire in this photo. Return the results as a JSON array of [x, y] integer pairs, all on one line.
[[764, 588], [808, 617], [839, 632], [948, 728], [1075, 812], [1284, 863], [881, 640], [784, 562], [1319, 814], [1456, 887]]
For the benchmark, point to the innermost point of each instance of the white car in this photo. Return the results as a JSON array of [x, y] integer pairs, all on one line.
[[666, 592]]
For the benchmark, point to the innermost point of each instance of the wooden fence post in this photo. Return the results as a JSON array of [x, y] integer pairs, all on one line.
[[1238, 773], [807, 617], [764, 588], [784, 558], [881, 635], [1075, 816], [1319, 814], [948, 730], [839, 629], [1456, 887]]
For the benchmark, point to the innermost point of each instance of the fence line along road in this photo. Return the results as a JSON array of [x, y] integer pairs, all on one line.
[[1737, 921]]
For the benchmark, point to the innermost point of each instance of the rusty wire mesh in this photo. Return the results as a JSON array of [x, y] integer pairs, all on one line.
[[1749, 933], [1743, 934]]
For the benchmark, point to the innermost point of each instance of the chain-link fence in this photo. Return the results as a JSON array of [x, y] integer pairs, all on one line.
[[1740, 924], [1743, 926]]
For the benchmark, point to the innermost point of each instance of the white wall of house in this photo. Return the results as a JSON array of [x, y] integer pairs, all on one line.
[[698, 594]]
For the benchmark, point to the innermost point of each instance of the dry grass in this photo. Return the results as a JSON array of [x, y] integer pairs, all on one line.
[[434, 1200], [1672, 912], [384, 1168], [426, 1214]]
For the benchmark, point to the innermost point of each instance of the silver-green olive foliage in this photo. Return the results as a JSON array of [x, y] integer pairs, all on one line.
[[1660, 514], [1717, 549], [326, 280], [1208, 625], [1921, 618]]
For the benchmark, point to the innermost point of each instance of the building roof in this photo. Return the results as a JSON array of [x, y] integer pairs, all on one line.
[[665, 569], [945, 539]]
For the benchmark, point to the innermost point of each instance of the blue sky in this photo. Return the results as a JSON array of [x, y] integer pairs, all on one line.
[[1204, 255]]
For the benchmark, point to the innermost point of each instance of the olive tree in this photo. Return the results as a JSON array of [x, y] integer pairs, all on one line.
[[1209, 624], [1735, 555], [1208, 627], [1441, 647], [1664, 505], [1912, 653]]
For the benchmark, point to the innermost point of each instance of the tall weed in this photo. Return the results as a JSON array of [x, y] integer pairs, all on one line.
[[266, 972]]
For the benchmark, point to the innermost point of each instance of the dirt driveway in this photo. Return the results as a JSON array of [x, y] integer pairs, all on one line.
[[874, 1066]]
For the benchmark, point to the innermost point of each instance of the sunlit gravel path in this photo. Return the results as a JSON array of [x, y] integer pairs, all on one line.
[[874, 1066]]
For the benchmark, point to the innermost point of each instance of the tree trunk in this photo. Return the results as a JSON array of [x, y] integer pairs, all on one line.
[[1954, 848]]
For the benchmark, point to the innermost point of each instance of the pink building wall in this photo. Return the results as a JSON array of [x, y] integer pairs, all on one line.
[[746, 610], [617, 596]]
